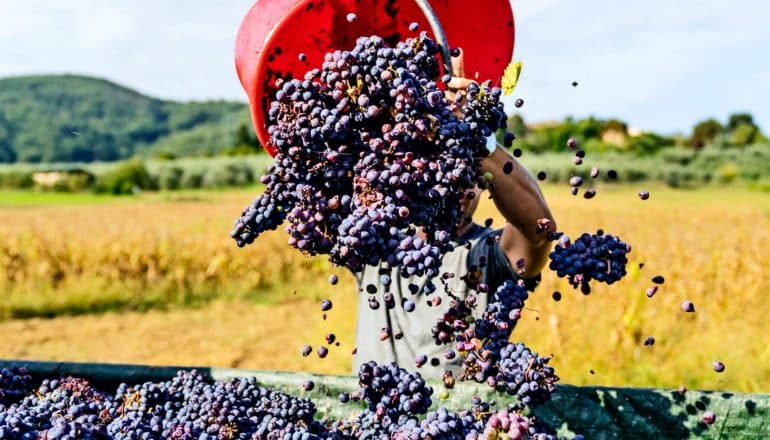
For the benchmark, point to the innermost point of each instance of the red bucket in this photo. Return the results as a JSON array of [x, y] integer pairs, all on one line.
[[275, 32]]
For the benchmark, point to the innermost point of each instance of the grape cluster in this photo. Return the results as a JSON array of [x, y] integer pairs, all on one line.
[[601, 257], [188, 406], [66, 408], [524, 374], [473, 424], [392, 395], [456, 321], [372, 158], [483, 345], [501, 314], [15, 382], [505, 424]]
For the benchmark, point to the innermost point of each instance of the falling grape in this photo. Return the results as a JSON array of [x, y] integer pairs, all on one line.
[[649, 341]]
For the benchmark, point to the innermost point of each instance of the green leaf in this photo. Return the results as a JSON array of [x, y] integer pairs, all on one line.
[[511, 77]]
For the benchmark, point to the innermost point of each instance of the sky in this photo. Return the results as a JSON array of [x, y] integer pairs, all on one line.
[[660, 65]]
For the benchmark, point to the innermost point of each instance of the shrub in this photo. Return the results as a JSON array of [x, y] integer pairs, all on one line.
[[16, 180], [169, 178], [126, 178]]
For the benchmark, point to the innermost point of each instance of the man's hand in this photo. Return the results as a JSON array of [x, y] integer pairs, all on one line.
[[458, 85]]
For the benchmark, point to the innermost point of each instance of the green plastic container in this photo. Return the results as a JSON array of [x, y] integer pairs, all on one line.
[[595, 412]]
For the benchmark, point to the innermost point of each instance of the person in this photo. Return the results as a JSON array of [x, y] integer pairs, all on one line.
[[393, 334]]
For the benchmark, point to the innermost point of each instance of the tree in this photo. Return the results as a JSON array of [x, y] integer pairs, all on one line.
[[744, 134], [705, 132], [616, 125], [7, 154], [648, 143], [735, 120]]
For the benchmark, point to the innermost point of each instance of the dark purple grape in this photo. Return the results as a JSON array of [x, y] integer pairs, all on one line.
[[508, 139], [649, 341]]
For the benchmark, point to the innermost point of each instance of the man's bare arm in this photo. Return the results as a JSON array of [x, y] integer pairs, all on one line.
[[519, 199]]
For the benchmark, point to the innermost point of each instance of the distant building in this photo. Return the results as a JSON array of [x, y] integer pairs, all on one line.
[[52, 178]]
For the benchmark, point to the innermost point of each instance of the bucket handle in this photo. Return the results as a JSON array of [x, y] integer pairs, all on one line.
[[438, 32]]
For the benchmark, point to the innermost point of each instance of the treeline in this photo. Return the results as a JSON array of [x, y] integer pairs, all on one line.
[[613, 135], [67, 118], [137, 175]]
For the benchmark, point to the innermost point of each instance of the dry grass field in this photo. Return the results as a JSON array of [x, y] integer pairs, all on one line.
[[155, 279]]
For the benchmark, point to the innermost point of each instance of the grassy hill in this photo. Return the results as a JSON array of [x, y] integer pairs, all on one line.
[[66, 118]]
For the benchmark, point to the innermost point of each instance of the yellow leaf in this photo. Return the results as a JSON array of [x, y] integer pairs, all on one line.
[[511, 77]]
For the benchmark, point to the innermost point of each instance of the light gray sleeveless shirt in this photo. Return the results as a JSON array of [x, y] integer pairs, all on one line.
[[478, 245]]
